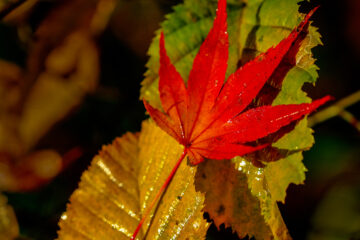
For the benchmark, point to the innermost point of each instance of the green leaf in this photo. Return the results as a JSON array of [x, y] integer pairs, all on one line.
[[257, 183], [121, 182], [185, 29], [253, 27]]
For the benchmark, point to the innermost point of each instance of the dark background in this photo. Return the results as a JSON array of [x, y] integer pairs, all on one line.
[[114, 109]]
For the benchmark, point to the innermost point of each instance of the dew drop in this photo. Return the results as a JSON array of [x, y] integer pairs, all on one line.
[[64, 216]]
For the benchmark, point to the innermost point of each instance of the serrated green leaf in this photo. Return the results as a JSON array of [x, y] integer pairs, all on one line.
[[257, 184], [253, 27], [185, 30], [270, 184]]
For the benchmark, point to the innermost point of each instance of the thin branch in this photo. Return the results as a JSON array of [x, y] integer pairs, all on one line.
[[350, 118], [338, 109]]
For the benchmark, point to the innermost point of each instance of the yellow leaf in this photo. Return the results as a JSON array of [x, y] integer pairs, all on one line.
[[121, 182]]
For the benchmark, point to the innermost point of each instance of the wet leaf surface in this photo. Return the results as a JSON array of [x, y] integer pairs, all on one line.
[[121, 182], [281, 164], [228, 199]]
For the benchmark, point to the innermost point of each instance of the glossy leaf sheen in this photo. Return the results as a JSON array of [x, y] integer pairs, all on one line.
[[121, 181], [237, 207], [252, 30], [257, 182], [208, 116]]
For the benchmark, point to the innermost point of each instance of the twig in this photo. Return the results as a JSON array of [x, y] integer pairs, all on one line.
[[350, 118], [338, 109]]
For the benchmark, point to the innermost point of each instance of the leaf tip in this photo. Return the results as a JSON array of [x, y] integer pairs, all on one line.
[[221, 6], [319, 102], [221, 11], [324, 100], [309, 15], [162, 43]]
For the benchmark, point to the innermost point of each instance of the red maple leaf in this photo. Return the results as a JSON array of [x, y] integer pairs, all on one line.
[[207, 116], [211, 119]]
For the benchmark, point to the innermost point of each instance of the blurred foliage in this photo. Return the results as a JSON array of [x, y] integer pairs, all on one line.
[[9, 228], [343, 222], [113, 48], [62, 66]]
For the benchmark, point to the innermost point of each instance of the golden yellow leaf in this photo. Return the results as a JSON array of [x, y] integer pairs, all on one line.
[[121, 182]]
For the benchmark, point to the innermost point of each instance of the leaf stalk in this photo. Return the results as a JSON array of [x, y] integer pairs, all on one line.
[[159, 193]]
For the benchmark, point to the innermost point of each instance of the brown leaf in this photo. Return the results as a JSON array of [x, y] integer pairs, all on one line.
[[228, 199]]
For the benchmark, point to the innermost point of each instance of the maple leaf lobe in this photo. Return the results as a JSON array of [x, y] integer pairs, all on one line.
[[210, 118]]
